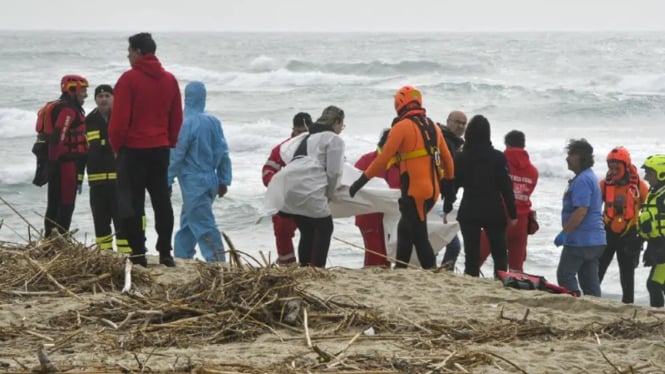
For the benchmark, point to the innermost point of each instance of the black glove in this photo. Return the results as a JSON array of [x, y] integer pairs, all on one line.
[[358, 184], [447, 206], [448, 195]]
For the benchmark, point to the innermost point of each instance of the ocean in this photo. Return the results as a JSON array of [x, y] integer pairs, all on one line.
[[606, 87]]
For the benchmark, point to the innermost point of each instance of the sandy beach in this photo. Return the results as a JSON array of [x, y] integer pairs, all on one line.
[[221, 319]]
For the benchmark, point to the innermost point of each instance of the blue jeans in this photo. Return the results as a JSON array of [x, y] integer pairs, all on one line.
[[452, 250], [580, 262]]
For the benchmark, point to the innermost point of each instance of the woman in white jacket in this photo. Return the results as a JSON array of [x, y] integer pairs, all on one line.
[[305, 186]]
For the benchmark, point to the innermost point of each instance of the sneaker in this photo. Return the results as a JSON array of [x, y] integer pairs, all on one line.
[[139, 260], [167, 261]]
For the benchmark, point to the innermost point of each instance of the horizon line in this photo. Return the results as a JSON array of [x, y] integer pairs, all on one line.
[[285, 31]]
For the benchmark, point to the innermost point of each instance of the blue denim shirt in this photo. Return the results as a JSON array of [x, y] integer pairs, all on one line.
[[584, 191]]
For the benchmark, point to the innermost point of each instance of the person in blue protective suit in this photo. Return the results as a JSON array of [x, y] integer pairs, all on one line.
[[203, 167]]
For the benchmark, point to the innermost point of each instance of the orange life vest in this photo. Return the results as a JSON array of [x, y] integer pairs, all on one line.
[[622, 202]]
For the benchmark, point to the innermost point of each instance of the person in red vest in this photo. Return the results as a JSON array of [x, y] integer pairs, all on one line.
[[623, 195], [371, 225], [524, 177], [67, 150], [284, 226]]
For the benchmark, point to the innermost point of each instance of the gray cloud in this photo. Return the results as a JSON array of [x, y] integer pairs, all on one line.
[[334, 15]]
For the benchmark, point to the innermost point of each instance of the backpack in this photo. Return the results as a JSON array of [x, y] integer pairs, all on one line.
[[44, 129]]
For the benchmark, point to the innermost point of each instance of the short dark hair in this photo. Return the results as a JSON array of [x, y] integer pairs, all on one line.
[[302, 119], [515, 138], [582, 148], [143, 42]]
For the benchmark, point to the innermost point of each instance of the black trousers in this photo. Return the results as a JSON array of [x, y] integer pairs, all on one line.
[[61, 197], [411, 231], [315, 234], [139, 170], [627, 249], [496, 234], [104, 207]]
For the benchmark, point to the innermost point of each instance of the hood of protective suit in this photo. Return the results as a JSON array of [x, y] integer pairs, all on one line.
[[195, 98]]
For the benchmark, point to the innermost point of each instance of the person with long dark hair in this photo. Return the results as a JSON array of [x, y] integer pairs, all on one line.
[[483, 173]]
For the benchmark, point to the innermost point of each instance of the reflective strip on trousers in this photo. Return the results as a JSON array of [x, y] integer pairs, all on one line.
[[101, 176], [105, 242], [123, 246]]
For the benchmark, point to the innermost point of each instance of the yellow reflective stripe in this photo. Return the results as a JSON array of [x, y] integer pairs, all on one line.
[[123, 246], [101, 176], [92, 135], [144, 222], [422, 152], [96, 177], [125, 250], [659, 274], [104, 239], [79, 177], [105, 242]]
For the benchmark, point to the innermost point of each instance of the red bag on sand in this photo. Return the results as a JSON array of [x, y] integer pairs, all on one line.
[[524, 281], [532, 223]]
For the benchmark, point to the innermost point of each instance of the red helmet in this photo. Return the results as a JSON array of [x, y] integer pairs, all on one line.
[[620, 154], [75, 82], [406, 95]]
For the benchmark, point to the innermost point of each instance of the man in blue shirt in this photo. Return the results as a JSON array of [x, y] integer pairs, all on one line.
[[583, 233]]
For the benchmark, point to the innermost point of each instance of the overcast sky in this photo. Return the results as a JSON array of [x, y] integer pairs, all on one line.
[[333, 15]]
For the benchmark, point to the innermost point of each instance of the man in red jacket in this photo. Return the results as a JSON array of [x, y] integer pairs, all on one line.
[[525, 177], [371, 225], [284, 227], [147, 115]]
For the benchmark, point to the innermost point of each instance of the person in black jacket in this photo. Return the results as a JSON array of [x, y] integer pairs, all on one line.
[[453, 131], [101, 173], [483, 173]]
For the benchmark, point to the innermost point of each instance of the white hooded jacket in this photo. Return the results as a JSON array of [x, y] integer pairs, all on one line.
[[307, 183]]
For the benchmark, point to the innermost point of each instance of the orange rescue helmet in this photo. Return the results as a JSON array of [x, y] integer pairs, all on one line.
[[407, 95], [619, 155], [72, 84]]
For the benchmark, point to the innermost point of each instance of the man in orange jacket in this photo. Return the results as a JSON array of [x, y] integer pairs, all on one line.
[[426, 169]]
